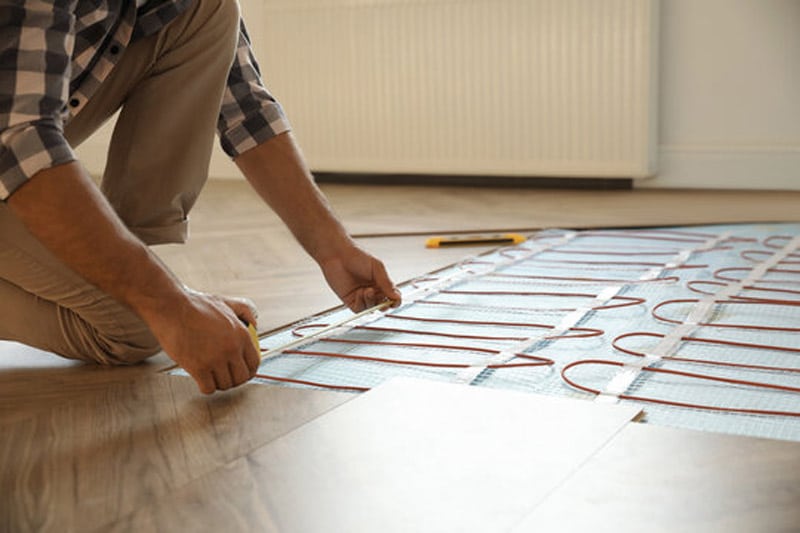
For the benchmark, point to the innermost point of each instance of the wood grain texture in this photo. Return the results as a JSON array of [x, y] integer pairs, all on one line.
[[87, 463], [389, 209], [662, 479], [406, 456], [33, 381]]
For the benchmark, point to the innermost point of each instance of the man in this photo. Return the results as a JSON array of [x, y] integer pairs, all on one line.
[[76, 275]]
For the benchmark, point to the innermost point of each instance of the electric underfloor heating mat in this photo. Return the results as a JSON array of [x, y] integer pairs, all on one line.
[[699, 326]]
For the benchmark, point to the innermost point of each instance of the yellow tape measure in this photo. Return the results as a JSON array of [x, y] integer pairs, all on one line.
[[254, 337], [475, 240]]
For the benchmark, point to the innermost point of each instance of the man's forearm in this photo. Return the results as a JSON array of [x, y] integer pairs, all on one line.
[[278, 173], [64, 210]]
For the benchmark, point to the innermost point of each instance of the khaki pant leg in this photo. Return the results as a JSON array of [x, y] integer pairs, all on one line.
[[47, 305], [170, 86]]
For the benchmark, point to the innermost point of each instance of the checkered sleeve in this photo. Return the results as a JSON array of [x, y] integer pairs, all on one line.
[[36, 41], [249, 114]]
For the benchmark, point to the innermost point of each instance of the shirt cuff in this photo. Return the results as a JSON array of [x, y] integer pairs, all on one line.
[[28, 149], [254, 129]]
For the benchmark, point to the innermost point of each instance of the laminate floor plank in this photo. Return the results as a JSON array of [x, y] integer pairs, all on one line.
[[660, 479], [33, 381], [406, 456], [88, 463]]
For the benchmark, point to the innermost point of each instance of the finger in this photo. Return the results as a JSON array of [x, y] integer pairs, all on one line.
[[245, 310], [360, 304], [238, 371], [205, 382], [252, 359], [351, 300], [384, 283], [370, 297], [222, 378]]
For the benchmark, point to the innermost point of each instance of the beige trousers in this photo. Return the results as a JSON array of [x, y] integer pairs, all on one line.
[[169, 86]]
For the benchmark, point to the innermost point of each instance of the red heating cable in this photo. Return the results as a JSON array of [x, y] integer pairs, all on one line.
[[718, 274], [663, 235], [769, 241], [625, 253], [712, 362], [747, 254], [627, 300], [719, 325], [633, 397], [584, 332], [692, 285], [604, 263], [668, 279], [538, 361], [312, 383]]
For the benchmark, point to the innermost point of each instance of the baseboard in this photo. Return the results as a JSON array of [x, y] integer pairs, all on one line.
[[726, 167], [603, 184]]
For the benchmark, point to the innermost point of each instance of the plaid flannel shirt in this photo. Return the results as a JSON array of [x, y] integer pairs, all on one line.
[[54, 54]]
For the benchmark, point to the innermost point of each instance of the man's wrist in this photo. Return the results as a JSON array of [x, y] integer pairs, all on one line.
[[329, 245], [153, 292]]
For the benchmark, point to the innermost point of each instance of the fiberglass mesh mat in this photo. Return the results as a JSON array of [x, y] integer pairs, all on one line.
[[698, 326]]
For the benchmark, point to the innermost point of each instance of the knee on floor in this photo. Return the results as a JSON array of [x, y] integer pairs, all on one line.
[[126, 350]]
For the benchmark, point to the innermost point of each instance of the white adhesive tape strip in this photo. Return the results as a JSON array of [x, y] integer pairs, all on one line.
[[671, 340], [681, 258], [469, 375], [569, 321], [622, 381], [760, 270], [701, 311]]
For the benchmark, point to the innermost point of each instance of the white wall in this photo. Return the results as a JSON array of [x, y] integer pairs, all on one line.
[[729, 95]]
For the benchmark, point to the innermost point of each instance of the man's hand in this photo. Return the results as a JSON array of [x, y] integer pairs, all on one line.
[[207, 337], [359, 279], [204, 334]]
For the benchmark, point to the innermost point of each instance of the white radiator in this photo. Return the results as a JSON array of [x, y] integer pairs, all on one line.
[[474, 87]]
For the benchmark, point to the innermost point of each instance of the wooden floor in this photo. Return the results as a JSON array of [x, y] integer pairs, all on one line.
[[84, 448]]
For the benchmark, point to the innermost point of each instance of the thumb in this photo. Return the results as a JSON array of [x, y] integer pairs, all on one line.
[[384, 283], [244, 308]]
